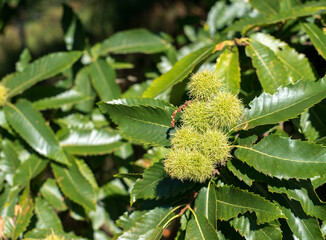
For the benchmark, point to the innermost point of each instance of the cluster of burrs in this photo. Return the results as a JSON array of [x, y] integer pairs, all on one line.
[[200, 144]]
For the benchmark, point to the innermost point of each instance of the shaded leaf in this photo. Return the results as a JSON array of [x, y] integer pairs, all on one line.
[[141, 123], [198, 228], [205, 204], [90, 142], [103, 79], [149, 226], [157, 184], [39, 70], [136, 90], [248, 228], [128, 220], [317, 37], [74, 35], [50, 191], [232, 201], [179, 71], [228, 70], [24, 59], [74, 185], [29, 169], [67, 97], [132, 41], [295, 63], [286, 103], [302, 226], [285, 158], [310, 133], [9, 160], [83, 85], [270, 70], [47, 217], [303, 192], [31, 126]]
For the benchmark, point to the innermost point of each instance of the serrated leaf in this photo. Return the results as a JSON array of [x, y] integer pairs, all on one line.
[[268, 7], [136, 90], [302, 226], [87, 173], [74, 35], [97, 217], [9, 161], [150, 226], [156, 184], [306, 9], [25, 213], [248, 228], [232, 201], [103, 79], [74, 185], [298, 159], [303, 192], [179, 71], [295, 63], [31, 126], [39, 70], [198, 228], [67, 97], [50, 191], [132, 41], [286, 103], [83, 85], [128, 220], [310, 133], [205, 204], [114, 188], [90, 142], [228, 70], [317, 37], [144, 124], [29, 169], [47, 217], [41, 234], [270, 70]]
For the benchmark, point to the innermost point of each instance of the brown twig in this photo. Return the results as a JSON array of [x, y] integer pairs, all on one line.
[[180, 108]]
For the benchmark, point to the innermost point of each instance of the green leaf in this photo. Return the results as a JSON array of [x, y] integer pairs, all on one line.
[[302, 226], [179, 71], [268, 7], [141, 123], [39, 70], [83, 85], [103, 79], [50, 191], [132, 41], [128, 220], [24, 59], [205, 204], [149, 226], [232, 201], [303, 192], [67, 97], [286, 103], [42, 234], [296, 63], [74, 35], [24, 215], [288, 4], [9, 161], [47, 217], [317, 37], [156, 184], [248, 228], [31, 126], [298, 159], [228, 70], [270, 70], [198, 228], [310, 133], [29, 169], [136, 90], [74, 185], [306, 9], [90, 142]]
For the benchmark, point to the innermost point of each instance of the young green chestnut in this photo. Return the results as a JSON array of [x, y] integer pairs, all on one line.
[[185, 164], [204, 85]]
